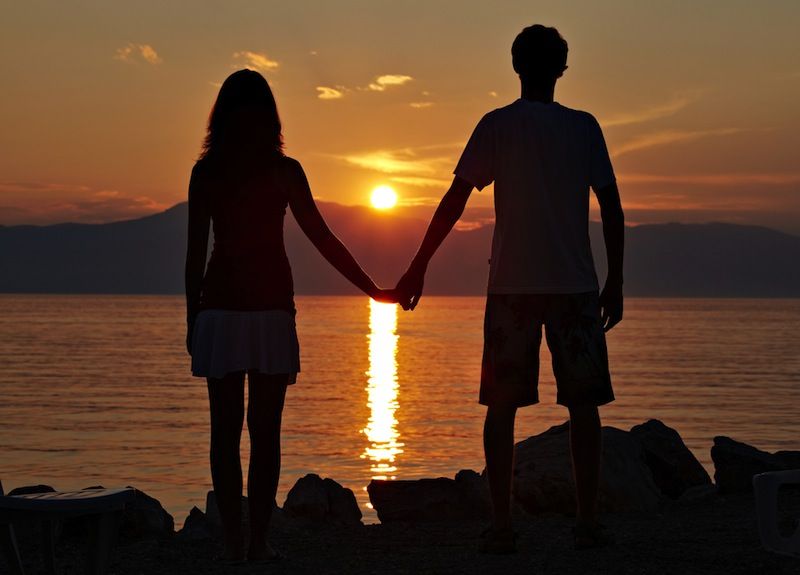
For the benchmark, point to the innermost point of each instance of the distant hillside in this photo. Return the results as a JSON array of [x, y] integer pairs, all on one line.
[[146, 256]]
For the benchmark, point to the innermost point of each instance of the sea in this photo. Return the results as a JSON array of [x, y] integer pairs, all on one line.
[[97, 390]]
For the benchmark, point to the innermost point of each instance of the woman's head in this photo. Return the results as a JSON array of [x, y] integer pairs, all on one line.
[[244, 118]]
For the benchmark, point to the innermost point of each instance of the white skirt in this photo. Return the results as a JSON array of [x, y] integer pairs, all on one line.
[[226, 341]]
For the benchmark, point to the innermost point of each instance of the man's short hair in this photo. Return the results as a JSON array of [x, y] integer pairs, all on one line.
[[539, 53]]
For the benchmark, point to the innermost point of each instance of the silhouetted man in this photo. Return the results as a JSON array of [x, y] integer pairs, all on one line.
[[543, 158]]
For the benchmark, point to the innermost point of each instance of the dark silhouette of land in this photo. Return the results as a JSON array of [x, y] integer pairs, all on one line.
[[145, 256]]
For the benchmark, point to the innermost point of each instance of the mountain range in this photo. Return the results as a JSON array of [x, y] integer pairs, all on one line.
[[146, 255]]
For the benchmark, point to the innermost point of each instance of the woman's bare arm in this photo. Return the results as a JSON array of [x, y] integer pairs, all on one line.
[[314, 227], [196, 249]]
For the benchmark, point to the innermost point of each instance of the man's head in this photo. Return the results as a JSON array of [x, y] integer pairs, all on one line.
[[539, 54]]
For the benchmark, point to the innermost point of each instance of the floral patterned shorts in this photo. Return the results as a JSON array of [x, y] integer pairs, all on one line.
[[513, 334]]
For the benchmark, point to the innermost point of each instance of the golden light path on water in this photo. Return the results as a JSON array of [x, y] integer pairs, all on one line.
[[382, 391]]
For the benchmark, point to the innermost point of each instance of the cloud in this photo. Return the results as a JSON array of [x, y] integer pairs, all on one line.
[[666, 137], [387, 81], [380, 84], [392, 162], [44, 203], [138, 52], [493, 94], [415, 164], [422, 166], [421, 105], [421, 181], [40, 189], [686, 202], [726, 179], [256, 61], [328, 93], [652, 113]]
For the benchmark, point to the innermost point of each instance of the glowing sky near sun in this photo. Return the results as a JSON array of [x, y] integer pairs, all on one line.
[[103, 104]]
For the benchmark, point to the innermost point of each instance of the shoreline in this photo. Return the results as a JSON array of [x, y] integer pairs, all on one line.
[[666, 515], [717, 536]]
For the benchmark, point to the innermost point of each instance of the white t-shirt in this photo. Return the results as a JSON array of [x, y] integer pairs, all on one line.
[[542, 158]]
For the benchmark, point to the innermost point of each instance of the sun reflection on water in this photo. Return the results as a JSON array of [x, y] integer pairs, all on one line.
[[382, 391]]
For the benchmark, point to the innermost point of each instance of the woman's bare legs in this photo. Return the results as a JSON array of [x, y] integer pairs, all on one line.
[[264, 411], [226, 400]]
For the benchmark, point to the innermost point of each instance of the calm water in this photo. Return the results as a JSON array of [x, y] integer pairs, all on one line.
[[96, 389]]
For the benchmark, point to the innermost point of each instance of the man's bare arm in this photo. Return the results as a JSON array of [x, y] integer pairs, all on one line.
[[447, 214], [611, 300]]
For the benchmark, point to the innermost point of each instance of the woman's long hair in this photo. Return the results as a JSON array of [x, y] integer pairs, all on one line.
[[244, 121]]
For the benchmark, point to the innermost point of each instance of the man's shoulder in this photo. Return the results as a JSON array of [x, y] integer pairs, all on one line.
[[580, 115], [509, 109], [519, 107]]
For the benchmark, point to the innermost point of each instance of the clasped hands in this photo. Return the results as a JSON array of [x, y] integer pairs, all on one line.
[[408, 289]]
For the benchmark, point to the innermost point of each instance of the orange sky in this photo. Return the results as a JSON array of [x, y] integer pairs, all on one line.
[[103, 105]]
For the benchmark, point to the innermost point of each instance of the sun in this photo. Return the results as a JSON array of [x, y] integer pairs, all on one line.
[[383, 198]]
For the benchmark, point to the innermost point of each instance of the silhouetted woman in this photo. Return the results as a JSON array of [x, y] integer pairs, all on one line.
[[240, 308]]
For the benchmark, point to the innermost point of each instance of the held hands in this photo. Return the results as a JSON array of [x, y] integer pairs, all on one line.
[[385, 295], [408, 290]]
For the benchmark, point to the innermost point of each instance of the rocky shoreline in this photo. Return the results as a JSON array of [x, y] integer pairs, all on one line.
[[667, 514]]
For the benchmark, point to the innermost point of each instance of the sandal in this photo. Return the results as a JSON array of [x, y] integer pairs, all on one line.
[[591, 536], [498, 541]]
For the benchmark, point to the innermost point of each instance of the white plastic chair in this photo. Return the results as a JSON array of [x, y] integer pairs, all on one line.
[[766, 486], [104, 505]]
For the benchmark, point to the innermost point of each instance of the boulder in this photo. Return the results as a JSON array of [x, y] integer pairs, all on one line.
[[674, 467], [442, 499], [212, 513], [144, 518], [318, 500], [735, 463], [543, 473], [197, 526]]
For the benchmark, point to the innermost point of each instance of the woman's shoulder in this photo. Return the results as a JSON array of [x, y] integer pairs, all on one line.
[[201, 170], [291, 170], [289, 164]]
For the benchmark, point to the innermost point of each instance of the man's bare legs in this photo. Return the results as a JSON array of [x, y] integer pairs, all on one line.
[[264, 411], [585, 446], [498, 446]]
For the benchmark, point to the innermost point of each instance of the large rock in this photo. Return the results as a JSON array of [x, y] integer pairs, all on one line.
[[543, 473], [320, 500], [197, 526], [212, 513], [674, 467], [144, 517], [735, 463], [442, 499]]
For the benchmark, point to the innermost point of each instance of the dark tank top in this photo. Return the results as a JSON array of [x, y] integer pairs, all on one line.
[[248, 269]]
